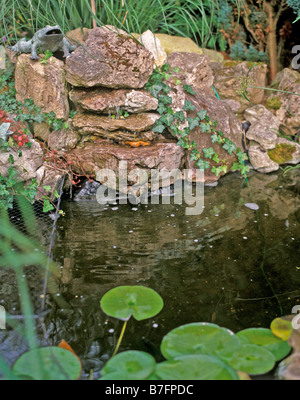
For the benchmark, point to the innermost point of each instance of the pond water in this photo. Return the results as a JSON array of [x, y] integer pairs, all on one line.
[[232, 265]]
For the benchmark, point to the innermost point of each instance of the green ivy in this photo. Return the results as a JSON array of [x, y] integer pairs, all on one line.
[[159, 88]]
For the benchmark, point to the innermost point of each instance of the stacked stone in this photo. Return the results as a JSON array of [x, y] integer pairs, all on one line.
[[108, 75]]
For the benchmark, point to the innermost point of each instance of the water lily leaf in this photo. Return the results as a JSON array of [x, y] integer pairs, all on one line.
[[253, 360], [195, 367], [265, 338], [57, 364], [138, 301], [129, 365], [281, 328], [200, 338]]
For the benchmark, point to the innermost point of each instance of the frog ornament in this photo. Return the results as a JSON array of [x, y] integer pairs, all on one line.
[[49, 38]]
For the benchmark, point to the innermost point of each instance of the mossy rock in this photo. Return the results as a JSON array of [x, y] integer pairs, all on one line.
[[282, 153], [273, 103]]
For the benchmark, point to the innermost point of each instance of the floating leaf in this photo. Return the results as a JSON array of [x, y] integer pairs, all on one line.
[[195, 367], [125, 301], [57, 364], [253, 360], [265, 338], [200, 338], [129, 365], [281, 328]]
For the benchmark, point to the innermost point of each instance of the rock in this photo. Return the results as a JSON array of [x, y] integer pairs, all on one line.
[[106, 101], [152, 43], [93, 158], [285, 152], [264, 126], [213, 55], [173, 44], [27, 165], [43, 83], [133, 128], [47, 175], [194, 69], [88, 191], [287, 106], [110, 58], [260, 159], [227, 77], [41, 131], [133, 123], [78, 36], [226, 122], [64, 140]]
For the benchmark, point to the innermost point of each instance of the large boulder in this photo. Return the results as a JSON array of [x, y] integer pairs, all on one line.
[[107, 101], [45, 84], [286, 106], [194, 69], [173, 44], [92, 158], [109, 58], [217, 111], [227, 81]]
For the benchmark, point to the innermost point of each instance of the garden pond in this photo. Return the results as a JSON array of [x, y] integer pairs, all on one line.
[[235, 265]]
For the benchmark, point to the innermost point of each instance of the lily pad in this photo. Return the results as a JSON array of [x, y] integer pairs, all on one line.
[[56, 364], [265, 338], [195, 367], [253, 360], [281, 328], [138, 301], [200, 338], [129, 365]]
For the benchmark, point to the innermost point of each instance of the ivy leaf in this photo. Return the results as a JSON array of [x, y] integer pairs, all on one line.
[[155, 89], [229, 146], [161, 109], [158, 128], [188, 106], [193, 122], [47, 206], [165, 99], [208, 153], [202, 114], [205, 127], [216, 158], [203, 164], [188, 89], [216, 138], [176, 70], [167, 119], [11, 160], [180, 115], [218, 170]]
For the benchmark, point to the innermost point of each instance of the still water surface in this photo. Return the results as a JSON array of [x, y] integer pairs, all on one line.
[[231, 265]]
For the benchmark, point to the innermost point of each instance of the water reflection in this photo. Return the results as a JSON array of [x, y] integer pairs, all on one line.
[[231, 265]]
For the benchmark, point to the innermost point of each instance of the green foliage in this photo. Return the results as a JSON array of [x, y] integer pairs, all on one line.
[[59, 364], [192, 18], [201, 351], [46, 57], [159, 87], [295, 5], [129, 365], [137, 301]]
